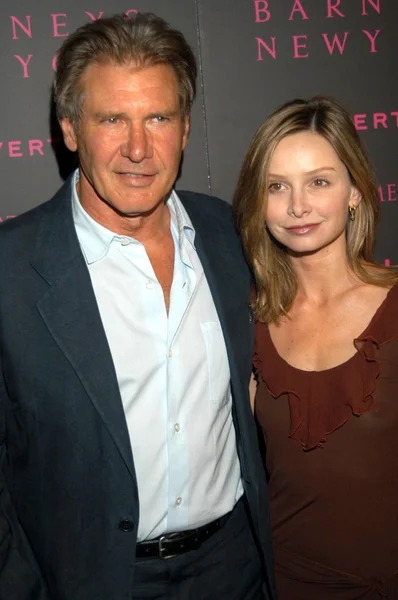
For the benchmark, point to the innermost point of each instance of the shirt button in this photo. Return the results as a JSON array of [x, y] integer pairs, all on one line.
[[170, 353], [177, 427], [125, 241], [126, 525], [178, 500], [149, 285]]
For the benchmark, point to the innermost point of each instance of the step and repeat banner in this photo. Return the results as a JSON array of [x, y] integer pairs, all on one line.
[[253, 55]]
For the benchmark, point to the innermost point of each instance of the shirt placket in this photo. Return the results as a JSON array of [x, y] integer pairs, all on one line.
[[177, 442]]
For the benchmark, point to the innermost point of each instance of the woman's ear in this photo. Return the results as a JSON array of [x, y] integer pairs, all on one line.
[[355, 197]]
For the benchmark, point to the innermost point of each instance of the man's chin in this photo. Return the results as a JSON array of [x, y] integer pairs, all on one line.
[[138, 209]]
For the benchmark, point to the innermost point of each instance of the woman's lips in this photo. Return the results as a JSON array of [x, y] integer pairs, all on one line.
[[302, 229]]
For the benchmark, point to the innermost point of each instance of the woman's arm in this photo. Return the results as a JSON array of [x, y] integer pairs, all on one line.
[[252, 390]]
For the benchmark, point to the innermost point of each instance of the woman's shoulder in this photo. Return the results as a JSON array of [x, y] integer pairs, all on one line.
[[383, 325]]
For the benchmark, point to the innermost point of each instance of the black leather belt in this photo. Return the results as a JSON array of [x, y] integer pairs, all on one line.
[[173, 544]]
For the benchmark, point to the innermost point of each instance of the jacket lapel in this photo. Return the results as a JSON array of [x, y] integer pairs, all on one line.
[[70, 312], [218, 250]]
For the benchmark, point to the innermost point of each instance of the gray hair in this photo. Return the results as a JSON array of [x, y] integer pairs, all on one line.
[[146, 40]]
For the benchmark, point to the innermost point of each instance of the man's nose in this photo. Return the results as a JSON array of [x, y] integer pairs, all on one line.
[[138, 144]]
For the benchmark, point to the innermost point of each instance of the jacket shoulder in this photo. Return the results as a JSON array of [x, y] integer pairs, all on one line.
[[204, 200], [205, 207], [28, 221], [213, 222]]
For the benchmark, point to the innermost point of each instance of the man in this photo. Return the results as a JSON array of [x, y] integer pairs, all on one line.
[[130, 466]]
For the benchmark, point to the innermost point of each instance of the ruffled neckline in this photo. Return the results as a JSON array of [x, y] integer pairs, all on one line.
[[322, 401]]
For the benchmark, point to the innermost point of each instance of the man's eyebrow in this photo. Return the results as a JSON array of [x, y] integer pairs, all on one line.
[[107, 114], [164, 113]]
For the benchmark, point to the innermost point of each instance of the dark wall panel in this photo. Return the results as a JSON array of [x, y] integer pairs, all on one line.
[[257, 55], [253, 55], [30, 35]]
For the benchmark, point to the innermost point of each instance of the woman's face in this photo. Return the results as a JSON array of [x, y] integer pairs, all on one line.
[[308, 194]]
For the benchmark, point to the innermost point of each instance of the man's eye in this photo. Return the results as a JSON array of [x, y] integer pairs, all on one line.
[[159, 119], [112, 120]]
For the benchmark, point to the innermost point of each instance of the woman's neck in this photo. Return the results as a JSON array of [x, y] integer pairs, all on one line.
[[322, 276]]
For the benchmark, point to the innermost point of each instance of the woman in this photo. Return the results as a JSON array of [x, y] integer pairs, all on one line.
[[326, 354]]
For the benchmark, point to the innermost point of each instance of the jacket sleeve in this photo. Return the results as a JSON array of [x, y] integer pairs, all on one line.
[[20, 577]]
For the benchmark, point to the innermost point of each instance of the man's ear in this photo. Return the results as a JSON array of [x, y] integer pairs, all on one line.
[[69, 134], [187, 125]]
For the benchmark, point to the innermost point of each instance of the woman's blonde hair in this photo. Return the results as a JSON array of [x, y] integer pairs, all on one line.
[[275, 279]]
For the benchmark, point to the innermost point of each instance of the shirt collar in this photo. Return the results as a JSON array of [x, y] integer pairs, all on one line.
[[180, 220], [95, 240]]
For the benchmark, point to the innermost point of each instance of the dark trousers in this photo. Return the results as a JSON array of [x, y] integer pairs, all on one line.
[[226, 566]]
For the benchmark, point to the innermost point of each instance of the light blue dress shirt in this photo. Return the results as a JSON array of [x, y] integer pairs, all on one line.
[[172, 371]]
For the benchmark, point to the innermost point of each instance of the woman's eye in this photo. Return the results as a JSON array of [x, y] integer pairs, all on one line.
[[320, 182], [275, 187]]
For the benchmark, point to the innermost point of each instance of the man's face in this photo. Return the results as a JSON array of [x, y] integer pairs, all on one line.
[[130, 138]]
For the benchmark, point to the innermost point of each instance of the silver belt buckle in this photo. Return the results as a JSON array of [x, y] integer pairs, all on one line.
[[162, 550]]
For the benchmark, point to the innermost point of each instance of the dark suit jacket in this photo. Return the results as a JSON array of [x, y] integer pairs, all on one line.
[[67, 471]]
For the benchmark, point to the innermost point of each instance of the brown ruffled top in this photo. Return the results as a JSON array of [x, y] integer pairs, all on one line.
[[322, 401]]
